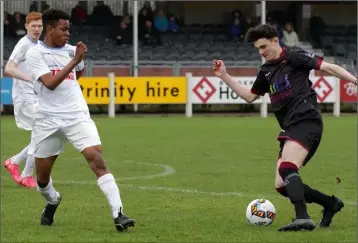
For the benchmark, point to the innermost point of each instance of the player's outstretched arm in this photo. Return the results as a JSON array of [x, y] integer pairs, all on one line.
[[12, 70], [338, 71], [241, 90]]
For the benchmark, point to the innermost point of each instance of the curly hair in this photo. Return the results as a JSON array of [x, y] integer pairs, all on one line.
[[261, 31]]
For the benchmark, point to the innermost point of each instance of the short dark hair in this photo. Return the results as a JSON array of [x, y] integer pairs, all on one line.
[[261, 31], [52, 16]]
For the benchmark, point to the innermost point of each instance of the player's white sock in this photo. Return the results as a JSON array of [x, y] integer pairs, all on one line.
[[29, 167], [49, 193], [17, 159], [108, 185]]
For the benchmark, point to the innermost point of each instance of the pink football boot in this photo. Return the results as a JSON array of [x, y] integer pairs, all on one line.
[[28, 182], [13, 169]]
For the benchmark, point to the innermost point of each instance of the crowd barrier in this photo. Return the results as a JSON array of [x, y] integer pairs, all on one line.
[[189, 90]]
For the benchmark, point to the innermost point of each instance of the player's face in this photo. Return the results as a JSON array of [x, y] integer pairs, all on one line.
[[60, 34], [268, 48], [34, 29]]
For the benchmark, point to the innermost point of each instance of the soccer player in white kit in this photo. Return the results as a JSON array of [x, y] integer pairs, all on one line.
[[62, 114], [24, 98]]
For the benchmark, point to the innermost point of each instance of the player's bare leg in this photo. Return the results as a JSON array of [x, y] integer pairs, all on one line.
[[331, 204], [45, 187], [107, 184], [292, 158]]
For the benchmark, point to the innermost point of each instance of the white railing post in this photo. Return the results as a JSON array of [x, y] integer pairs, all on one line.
[[111, 105], [337, 103], [189, 104], [263, 109]]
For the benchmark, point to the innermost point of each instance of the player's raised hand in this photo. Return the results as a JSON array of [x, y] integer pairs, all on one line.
[[219, 68], [81, 48]]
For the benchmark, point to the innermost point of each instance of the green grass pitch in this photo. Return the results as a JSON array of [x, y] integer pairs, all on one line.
[[183, 180]]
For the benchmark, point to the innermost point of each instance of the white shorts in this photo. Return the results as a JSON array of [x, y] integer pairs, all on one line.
[[24, 112], [49, 135]]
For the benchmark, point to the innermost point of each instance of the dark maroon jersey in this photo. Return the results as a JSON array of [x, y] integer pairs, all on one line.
[[287, 81]]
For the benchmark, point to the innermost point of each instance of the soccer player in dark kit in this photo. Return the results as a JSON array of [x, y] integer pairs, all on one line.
[[285, 76]]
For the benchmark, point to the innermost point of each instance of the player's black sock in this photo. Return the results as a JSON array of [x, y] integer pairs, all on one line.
[[41, 184], [311, 196], [294, 188], [282, 191], [314, 196]]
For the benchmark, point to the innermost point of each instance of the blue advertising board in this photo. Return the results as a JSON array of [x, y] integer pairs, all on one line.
[[6, 91]]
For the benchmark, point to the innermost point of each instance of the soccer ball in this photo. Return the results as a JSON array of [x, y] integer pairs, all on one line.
[[260, 212]]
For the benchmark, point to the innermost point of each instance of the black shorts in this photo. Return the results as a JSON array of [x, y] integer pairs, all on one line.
[[307, 133]]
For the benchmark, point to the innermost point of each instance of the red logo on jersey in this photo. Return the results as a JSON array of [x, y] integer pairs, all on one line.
[[70, 76]]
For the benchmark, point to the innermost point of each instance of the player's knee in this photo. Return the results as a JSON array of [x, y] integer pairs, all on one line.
[[286, 169]]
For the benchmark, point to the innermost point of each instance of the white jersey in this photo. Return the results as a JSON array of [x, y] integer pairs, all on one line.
[[67, 100], [22, 90]]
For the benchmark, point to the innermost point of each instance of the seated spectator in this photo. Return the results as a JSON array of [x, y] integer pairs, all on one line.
[[317, 27], [249, 22], [290, 37], [128, 20], [172, 24], [102, 14], [236, 30], [142, 18], [161, 21], [237, 14], [148, 9], [123, 35], [78, 14], [7, 25], [280, 32], [150, 35], [44, 7], [18, 26], [33, 7]]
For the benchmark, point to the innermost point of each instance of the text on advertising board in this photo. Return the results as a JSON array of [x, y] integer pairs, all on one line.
[[135, 90]]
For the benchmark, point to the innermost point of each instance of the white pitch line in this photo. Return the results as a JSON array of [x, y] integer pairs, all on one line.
[[168, 171], [191, 191]]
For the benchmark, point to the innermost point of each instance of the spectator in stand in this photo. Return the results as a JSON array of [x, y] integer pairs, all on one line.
[[18, 26], [161, 21], [172, 24], [102, 14], [128, 20], [142, 18], [150, 35], [317, 27], [44, 7], [148, 8], [7, 25], [238, 14], [290, 37], [249, 23], [280, 32], [236, 30], [78, 14], [33, 7], [123, 35]]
